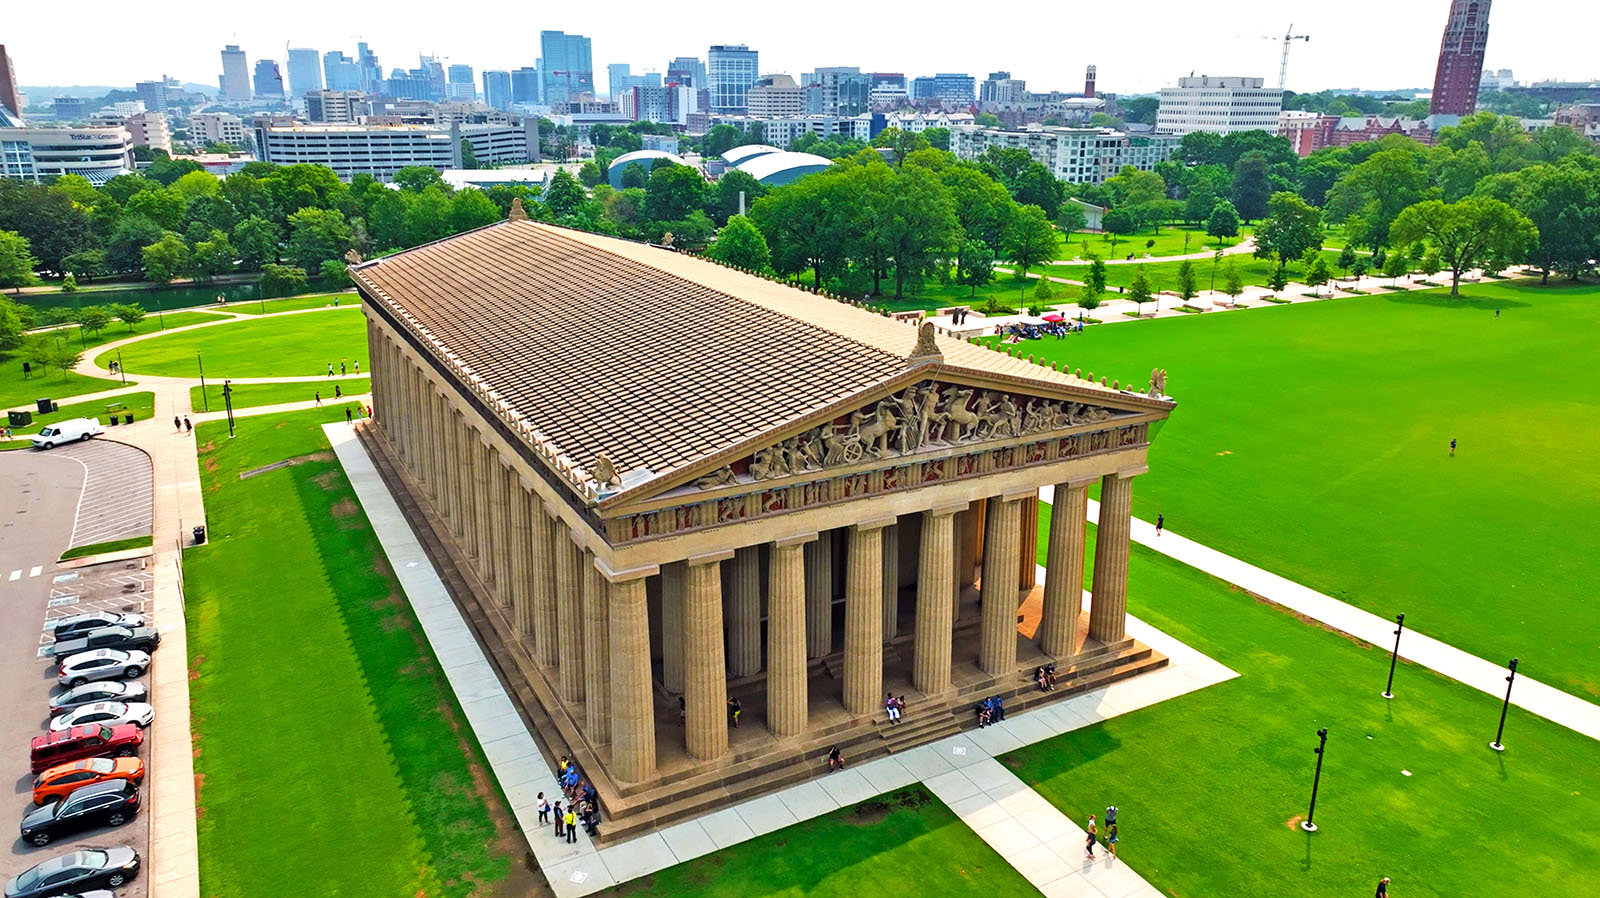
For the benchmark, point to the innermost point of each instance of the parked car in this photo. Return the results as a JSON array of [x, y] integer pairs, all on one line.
[[80, 624], [89, 693], [102, 664], [102, 804], [70, 430], [63, 779], [75, 871], [141, 639], [53, 749], [108, 713]]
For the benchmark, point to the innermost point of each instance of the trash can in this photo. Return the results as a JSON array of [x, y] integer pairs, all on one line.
[[127, 419], [46, 406], [113, 421], [199, 534], [20, 419]]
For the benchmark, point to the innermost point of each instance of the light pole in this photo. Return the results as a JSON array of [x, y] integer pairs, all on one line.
[[1316, 781], [160, 318], [205, 400], [1503, 708], [120, 369], [1400, 625], [1216, 259], [227, 400]]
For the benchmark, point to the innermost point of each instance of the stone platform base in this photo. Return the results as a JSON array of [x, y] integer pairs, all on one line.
[[757, 762]]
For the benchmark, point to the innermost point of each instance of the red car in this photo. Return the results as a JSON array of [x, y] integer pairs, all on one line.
[[93, 741]]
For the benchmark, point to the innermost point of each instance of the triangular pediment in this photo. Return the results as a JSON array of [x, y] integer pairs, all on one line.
[[930, 412]]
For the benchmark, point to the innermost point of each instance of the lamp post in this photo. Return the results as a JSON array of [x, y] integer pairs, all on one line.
[[1400, 625], [1502, 730], [227, 401], [1316, 781], [120, 369], [205, 400], [160, 317]]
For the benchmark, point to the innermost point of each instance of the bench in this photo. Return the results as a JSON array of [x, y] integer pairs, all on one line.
[[115, 407]]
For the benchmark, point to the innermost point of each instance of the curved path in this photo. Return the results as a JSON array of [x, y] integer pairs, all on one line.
[[1247, 245]]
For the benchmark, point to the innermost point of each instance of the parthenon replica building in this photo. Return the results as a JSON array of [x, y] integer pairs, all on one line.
[[655, 483]]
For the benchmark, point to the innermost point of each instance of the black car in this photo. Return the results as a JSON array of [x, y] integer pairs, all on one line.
[[80, 624], [139, 639], [76, 872], [111, 803]]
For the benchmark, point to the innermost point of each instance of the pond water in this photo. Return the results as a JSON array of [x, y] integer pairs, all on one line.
[[163, 298]]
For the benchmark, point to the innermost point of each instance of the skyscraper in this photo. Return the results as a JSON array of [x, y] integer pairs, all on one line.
[[567, 68], [460, 85], [1466, 34], [305, 72], [731, 69], [10, 96], [235, 77], [344, 73], [153, 94], [525, 85], [369, 71], [688, 71], [497, 89], [269, 81]]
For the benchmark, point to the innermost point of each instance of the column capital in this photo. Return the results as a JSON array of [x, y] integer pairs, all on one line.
[[1078, 483], [1019, 495], [709, 558], [627, 575], [875, 523], [1130, 473], [941, 511], [797, 540], [505, 463], [527, 485]]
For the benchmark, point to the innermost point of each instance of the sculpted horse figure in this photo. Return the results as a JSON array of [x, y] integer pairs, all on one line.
[[958, 420], [875, 427]]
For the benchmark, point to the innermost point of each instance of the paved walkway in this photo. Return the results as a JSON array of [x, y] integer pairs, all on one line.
[[1247, 245], [1031, 834], [1485, 676]]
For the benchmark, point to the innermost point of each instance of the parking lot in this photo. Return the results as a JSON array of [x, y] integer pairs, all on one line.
[[41, 494]]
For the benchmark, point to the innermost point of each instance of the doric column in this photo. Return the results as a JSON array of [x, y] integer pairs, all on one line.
[[936, 580], [633, 719], [742, 607], [461, 445], [1108, 608], [1028, 557], [596, 652], [863, 617], [483, 460], [786, 636], [891, 582], [546, 529], [1002, 543], [499, 529], [819, 595], [673, 584], [519, 575], [569, 613], [1063, 577], [705, 688]]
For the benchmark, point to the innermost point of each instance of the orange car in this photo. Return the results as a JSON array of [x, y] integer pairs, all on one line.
[[60, 781]]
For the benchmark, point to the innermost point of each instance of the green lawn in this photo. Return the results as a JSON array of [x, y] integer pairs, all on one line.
[[905, 842], [115, 545], [1170, 242], [328, 746], [1209, 786], [1164, 275], [1312, 440], [263, 347], [253, 395], [17, 390], [139, 405], [293, 303]]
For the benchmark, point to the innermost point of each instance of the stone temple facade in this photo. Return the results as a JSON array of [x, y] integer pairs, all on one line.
[[657, 484]]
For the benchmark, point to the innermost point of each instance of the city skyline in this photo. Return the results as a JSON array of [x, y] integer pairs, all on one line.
[[1129, 62]]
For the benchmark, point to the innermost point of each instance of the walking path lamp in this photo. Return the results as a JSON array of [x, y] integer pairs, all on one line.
[[1502, 730], [120, 369], [205, 396], [227, 401], [1316, 781], [1400, 625]]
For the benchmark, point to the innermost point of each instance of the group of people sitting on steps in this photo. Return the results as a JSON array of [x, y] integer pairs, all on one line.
[[991, 710], [1046, 677]]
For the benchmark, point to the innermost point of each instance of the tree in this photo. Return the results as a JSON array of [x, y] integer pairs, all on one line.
[[281, 280], [902, 143], [1030, 240], [256, 240], [1317, 273], [124, 251], [1119, 223], [1233, 280], [1223, 222], [16, 261], [727, 191], [1563, 202], [1278, 279], [211, 257], [128, 313], [470, 209], [1044, 291], [590, 175], [1395, 264], [1071, 218], [720, 139], [1096, 277], [86, 264], [69, 283], [334, 273], [47, 352], [741, 244], [938, 138], [1251, 186], [13, 322], [1089, 297], [1468, 233], [1368, 198], [164, 206], [564, 195], [165, 259], [1292, 228], [93, 319], [673, 192], [417, 178], [469, 156], [1188, 288], [197, 184], [316, 235], [1347, 258], [1139, 290], [975, 266], [1133, 187], [915, 222], [1360, 269]]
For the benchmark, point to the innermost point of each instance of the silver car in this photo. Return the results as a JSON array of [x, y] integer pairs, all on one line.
[[102, 664], [80, 624], [89, 693], [106, 714]]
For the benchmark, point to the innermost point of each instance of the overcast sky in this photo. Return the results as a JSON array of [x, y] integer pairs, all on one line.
[[1138, 45]]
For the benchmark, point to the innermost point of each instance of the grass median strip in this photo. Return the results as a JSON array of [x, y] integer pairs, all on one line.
[[116, 545], [255, 395], [274, 346], [329, 748]]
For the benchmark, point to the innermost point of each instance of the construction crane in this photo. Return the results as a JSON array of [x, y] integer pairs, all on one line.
[[1283, 65]]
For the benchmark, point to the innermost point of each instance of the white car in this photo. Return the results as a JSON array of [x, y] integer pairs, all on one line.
[[102, 664], [71, 430], [107, 713]]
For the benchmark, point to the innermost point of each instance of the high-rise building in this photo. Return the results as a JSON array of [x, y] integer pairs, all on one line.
[[888, 89], [497, 89], [341, 72], [370, 73], [337, 106], [731, 69], [34, 154], [269, 81], [1088, 83], [845, 89], [71, 109], [206, 128], [432, 70], [305, 72], [1219, 105], [525, 85], [567, 68], [619, 77], [945, 88], [460, 85], [1000, 89], [774, 95], [1455, 82], [10, 94], [153, 94], [235, 77], [688, 71]]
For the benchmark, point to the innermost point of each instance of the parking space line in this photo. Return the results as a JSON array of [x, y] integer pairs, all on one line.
[[15, 575], [34, 571]]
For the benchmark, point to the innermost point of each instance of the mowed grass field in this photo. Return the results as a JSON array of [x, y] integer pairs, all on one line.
[[1210, 786], [275, 346], [1170, 242], [1312, 440], [16, 389], [330, 754], [256, 395], [1164, 275], [295, 303]]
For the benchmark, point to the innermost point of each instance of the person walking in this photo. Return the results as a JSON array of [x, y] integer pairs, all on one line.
[[1161, 521], [337, 393], [1088, 842], [544, 810], [187, 427], [342, 372], [177, 425], [1497, 317], [1452, 447], [561, 821], [1383, 884], [347, 415], [358, 366], [1111, 830], [572, 824], [318, 397], [330, 369]]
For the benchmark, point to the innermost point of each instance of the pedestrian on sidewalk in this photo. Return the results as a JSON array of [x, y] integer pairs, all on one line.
[[835, 758], [1452, 447], [347, 416], [1161, 521], [337, 394], [561, 821], [1383, 884], [318, 397], [544, 810], [358, 366], [342, 372], [1111, 830], [1497, 317], [1088, 843], [187, 427], [572, 824], [177, 425], [330, 369]]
